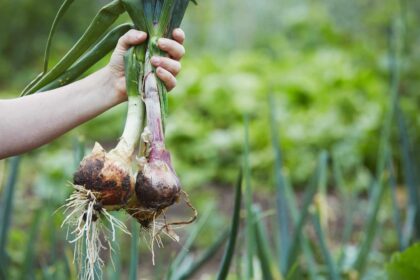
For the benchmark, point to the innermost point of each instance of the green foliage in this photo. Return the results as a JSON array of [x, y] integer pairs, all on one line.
[[312, 189], [63, 9], [105, 17], [30, 248], [24, 31], [249, 225], [233, 233], [205, 257], [175, 265], [315, 72], [326, 66], [404, 265], [326, 253], [6, 212], [134, 254], [264, 253]]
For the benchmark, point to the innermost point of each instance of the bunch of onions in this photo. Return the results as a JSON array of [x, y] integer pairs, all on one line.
[[144, 185]]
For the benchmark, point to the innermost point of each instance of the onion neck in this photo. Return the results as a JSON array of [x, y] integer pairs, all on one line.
[[153, 104], [157, 151], [133, 62], [131, 134]]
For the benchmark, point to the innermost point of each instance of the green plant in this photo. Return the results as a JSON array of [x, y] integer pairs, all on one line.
[[249, 229], [176, 263], [134, 254], [178, 270], [6, 212], [404, 265], [233, 234], [324, 96]]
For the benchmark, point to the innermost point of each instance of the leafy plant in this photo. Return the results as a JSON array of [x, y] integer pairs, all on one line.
[[404, 265]]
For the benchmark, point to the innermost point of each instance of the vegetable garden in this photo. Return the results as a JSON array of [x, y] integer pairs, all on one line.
[[293, 130]]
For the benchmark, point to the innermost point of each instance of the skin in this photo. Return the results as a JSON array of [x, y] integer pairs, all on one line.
[[32, 121]]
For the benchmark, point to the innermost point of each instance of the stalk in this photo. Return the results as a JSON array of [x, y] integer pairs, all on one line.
[[91, 57], [157, 185], [63, 9]]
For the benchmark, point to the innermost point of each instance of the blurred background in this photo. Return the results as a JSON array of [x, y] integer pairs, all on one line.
[[327, 69]]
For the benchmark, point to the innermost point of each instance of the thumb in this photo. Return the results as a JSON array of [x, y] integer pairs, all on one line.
[[132, 37]]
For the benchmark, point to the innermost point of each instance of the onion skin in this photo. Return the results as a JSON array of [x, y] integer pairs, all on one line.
[[157, 186], [107, 175]]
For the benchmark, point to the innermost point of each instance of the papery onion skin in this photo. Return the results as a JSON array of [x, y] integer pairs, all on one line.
[[106, 175], [157, 187]]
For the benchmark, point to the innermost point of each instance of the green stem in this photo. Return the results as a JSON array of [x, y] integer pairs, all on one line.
[[234, 229], [249, 229], [134, 252], [102, 21], [63, 9], [165, 17], [133, 70], [204, 258], [310, 192], [95, 54], [135, 10], [331, 265], [384, 150], [7, 206]]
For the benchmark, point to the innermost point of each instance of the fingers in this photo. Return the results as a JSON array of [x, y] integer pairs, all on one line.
[[168, 79], [178, 35], [170, 65], [166, 67], [174, 49], [132, 37]]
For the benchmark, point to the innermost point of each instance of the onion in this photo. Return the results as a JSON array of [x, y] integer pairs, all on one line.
[[108, 175], [157, 185], [104, 182]]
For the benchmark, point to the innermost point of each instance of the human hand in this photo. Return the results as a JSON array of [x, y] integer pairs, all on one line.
[[167, 68]]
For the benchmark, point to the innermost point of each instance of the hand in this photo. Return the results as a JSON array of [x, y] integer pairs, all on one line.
[[167, 68]]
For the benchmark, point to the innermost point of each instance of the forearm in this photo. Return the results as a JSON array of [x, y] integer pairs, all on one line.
[[32, 121]]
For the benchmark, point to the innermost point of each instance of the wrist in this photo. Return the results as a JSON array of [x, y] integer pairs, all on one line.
[[115, 85]]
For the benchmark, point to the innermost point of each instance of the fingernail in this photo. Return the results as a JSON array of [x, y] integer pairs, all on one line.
[[162, 43], [140, 35], [155, 60], [159, 70]]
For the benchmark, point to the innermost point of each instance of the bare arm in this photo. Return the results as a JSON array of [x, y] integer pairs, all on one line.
[[32, 121]]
